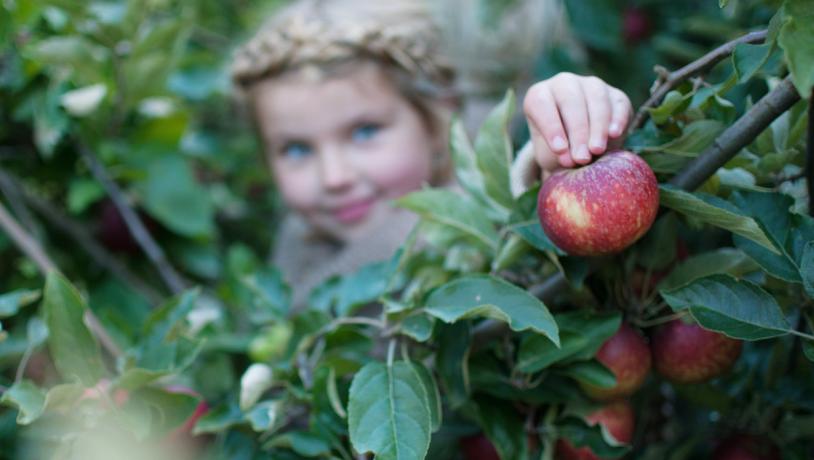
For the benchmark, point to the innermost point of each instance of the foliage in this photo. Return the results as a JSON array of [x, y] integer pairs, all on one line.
[[461, 345]]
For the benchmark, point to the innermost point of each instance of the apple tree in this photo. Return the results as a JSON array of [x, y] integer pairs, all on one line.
[[139, 319]]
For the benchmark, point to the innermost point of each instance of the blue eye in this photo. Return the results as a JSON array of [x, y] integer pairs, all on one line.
[[365, 132], [295, 150]]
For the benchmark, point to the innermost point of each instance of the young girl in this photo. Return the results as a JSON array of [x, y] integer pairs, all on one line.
[[351, 100]]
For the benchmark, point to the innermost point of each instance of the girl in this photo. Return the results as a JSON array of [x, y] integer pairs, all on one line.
[[351, 100]]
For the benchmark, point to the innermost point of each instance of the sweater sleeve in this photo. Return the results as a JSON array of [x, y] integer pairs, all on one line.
[[524, 171]]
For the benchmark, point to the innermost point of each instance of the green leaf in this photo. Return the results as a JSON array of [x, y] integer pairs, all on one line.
[[524, 222], [272, 295], [486, 296], [503, 426], [598, 26], [27, 398], [582, 333], [419, 327], [11, 302], [591, 373], [454, 210], [304, 443], [739, 309], [748, 59], [452, 361], [74, 350], [493, 147], [797, 40], [388, 412], [720, 261], [433, 395], [172, 196], [808, 350], [221, 418], [365, 285], [714, 211], [695, 137], [163, 323], [82, 193], [466, 169], [807, 269], [673, 103], [580, 434]]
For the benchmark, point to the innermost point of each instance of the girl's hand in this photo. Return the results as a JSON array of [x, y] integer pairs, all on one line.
[[572, 118]]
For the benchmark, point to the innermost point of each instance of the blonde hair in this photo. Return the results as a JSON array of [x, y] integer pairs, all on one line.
[[322, 37]]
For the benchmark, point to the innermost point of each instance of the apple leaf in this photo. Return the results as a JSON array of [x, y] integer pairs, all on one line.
[[433, 395], [74, 350], [716, 212], [807, 268], [163, 323], [592, 373], [11, 302], [582, 333], [524, 222], [454, 210], [747, 59], [493, 147], [220, 418], [737, 308], [476, 296], [419, 327], [696, 136], [720, 261], [452, 361], [466, 170], [272, 296], [27, 398], [503, 426], [304, 443], [365, 285], [797, 40], [389, 413], [595, 437]]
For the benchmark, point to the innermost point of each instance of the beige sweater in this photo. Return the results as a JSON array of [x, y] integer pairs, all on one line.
[[307, 259]]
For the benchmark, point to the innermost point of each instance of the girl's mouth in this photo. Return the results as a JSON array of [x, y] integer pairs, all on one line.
[[354, 212]]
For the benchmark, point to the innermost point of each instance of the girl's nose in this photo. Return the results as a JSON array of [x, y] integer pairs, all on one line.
[[336, 168]]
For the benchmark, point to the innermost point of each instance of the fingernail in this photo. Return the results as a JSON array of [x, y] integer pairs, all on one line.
[[558, 143], [613, 129], [597, 146], [582, 153]]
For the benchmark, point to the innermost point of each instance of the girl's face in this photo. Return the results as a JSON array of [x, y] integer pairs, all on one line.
[[340, 148]]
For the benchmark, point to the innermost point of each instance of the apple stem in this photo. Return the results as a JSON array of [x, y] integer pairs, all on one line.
[[391, 351], [670, 80], [802, 334], [661, 320]]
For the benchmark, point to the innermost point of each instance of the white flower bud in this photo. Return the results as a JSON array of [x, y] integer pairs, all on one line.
[[83, 101], [255, 381]]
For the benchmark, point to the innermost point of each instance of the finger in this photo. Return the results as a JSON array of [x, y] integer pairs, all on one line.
[[574, 113], [541, 110], [566, 161], [622, 110], [542, 153], [599, 113]]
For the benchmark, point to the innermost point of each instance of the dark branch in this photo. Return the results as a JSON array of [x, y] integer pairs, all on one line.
[[140, 233], [79, 233], [672, 79], [810, 154], [737, 136]]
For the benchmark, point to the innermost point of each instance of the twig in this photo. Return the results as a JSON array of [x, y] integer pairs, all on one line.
[[80, 234], [140, 233], [737, 136], [25, 242], [17, 206], [671, 80], [810, 154], [34, 251], [727, 145]]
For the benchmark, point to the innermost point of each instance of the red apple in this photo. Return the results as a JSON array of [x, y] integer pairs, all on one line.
[[618, 418], [636, 25], [600, 208], [627, 355], [746, 447], [113, 232], [687, 353], [478, 447]]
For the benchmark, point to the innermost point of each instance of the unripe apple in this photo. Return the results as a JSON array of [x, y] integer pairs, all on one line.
[[746, 447], [627, 355], [271, 343], [687, 353], [601, 208], [617, 417]]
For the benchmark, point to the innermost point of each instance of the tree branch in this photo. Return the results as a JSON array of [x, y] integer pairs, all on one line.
[[81, 235], [671, 80], [737, 136], [34, 251], [726, 146], [140, 233], [810, 154]]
